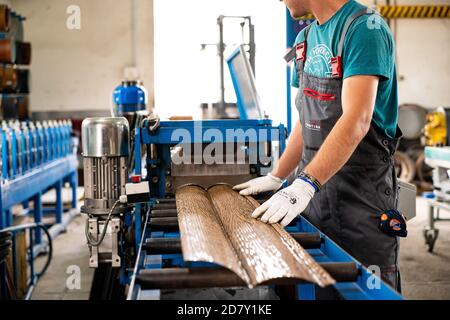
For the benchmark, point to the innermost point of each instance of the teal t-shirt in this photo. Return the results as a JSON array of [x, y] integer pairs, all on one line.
[[368, 50]]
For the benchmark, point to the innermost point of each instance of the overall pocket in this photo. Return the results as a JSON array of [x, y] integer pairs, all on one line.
[[318, 95]]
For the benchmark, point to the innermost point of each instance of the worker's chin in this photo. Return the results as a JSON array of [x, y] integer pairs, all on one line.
[[298, 14]]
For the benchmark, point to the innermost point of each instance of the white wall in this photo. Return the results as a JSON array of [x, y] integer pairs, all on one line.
[[186, 76], [423, 57], [78, 69], [423, 50]]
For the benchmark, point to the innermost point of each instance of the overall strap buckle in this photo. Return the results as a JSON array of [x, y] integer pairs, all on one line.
[[300, 51], [336, 67]]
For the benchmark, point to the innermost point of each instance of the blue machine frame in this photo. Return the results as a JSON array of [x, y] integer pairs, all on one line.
[[366, 287], [171, 133], [163, 137]]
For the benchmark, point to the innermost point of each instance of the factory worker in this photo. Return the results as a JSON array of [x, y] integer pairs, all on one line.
[[346, 136]]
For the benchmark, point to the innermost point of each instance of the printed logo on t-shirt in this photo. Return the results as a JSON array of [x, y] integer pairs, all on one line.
[[318, 62]]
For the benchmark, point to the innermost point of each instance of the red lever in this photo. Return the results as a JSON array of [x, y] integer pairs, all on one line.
[[135, 179]]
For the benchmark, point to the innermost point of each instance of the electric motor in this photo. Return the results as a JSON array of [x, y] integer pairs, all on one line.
[[105, 160]]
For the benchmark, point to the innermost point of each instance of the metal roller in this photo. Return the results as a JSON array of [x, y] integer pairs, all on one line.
[[181, 278], [173, 245]]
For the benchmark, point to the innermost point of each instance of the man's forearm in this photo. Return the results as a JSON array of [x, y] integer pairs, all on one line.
[[337, 148], [292, 155]]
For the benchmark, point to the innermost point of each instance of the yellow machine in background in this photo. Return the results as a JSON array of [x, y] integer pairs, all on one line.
[[437, 156], [435, 130]]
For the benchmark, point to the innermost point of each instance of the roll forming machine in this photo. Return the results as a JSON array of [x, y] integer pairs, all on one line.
[[142, 230]]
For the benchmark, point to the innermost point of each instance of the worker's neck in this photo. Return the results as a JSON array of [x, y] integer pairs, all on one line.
[[323, 10]]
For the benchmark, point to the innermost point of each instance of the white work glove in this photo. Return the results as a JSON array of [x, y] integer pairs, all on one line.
[[259, 185], [286, 204]]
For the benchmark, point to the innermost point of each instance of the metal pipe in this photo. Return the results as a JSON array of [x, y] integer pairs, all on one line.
[[164, 224], [166, 200], [159, 206], [307, 240], [184, 278], [162, 246], [173, 245], [164, 213], [170, 204]]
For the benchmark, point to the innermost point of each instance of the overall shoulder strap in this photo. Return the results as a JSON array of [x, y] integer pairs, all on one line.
[[348, 24], [292, 53], [307, 29]]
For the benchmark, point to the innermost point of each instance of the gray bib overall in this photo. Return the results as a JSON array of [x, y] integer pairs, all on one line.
[[348, 207]]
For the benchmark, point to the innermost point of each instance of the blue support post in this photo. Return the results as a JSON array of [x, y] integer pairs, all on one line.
[[137, 171], [137, 151], [138, 224], [73, 186], [38, 215], [4, 156], [8, 216], [59, 204], [282, 139], [31, 255], [13, 154], [290, 38]]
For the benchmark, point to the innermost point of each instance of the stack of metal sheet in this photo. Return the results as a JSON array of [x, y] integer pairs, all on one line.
[[216, 226]]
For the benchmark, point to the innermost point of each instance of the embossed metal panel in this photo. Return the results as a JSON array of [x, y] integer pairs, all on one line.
[[216, 226]]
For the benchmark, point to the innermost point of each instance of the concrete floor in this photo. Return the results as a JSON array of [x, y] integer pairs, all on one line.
[[70, 258], [424, 275]]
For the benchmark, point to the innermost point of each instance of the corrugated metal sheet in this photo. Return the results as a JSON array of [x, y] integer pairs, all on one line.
[[216, 226]]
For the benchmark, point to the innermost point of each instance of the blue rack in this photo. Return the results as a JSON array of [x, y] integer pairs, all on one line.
[[36, 158]]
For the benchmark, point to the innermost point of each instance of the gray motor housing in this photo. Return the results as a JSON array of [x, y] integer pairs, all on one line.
[[105, 161]]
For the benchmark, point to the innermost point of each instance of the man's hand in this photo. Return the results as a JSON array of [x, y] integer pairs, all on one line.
[[286, 204], [259, 185]]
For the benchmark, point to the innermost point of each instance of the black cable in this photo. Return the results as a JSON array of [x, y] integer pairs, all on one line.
[[50, 250], [6, 238], [5, 245], [103, 234]]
